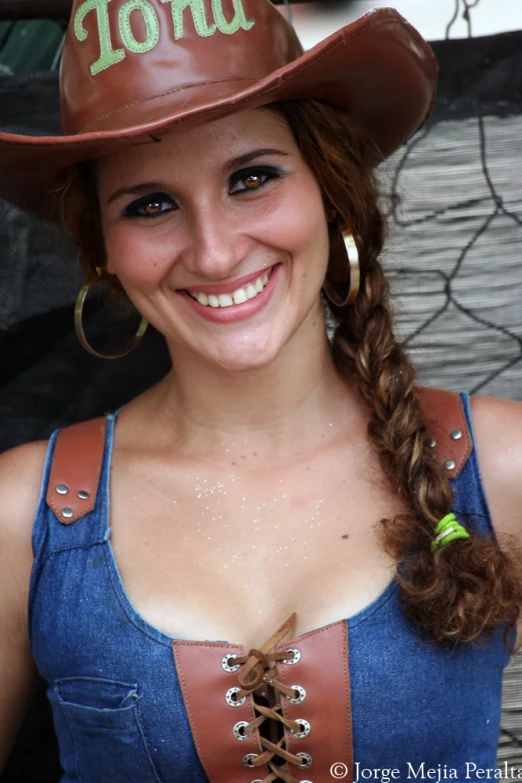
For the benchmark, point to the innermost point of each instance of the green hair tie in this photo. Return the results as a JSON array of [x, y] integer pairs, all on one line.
[[447, 530]]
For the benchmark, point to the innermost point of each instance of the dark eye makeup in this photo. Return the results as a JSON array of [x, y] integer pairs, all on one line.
[[245, 180]]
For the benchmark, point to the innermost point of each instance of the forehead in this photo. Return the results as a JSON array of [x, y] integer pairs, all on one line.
[[211, 142]]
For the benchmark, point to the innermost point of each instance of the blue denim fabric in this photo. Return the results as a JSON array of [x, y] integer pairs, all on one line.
[[116, 699]]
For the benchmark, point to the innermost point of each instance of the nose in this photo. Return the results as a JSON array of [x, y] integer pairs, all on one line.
[[215, 242]]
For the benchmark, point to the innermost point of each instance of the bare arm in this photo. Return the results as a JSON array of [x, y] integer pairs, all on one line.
[[20, 478]]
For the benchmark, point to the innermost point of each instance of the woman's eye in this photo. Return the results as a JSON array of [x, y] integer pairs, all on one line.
[[151, 206], [252, 179]]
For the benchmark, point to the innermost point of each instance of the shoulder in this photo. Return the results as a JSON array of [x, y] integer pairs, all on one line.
[[20, 478], [497, 424], [21, 471]]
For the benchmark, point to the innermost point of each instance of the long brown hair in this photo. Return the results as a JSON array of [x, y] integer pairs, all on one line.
[[469, 587]]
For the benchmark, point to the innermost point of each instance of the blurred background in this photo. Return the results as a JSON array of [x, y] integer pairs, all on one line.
[[315, 21]]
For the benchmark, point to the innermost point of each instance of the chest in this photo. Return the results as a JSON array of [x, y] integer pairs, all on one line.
[[211, 554]]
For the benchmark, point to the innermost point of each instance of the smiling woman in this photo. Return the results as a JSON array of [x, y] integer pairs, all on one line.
[[286, 487]]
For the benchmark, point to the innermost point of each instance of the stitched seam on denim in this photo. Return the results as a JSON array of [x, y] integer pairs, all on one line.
[[77, 760], [159, 95], [139, 723]]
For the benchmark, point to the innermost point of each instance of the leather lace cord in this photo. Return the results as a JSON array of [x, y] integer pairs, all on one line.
[[258, 667]]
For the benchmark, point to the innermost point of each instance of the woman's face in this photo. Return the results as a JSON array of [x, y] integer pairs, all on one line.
[[219, 237]]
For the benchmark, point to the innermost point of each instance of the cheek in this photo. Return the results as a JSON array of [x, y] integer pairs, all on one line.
[[134, 257], [301, 226]]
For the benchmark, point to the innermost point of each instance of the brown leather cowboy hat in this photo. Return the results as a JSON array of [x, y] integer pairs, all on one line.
[[132, 69]]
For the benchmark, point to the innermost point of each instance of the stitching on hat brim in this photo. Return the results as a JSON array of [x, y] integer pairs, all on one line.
[[159, 95]]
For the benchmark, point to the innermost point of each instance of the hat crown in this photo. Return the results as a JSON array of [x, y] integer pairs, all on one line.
[[123, 58]]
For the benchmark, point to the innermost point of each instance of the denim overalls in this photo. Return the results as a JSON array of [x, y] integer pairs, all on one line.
[[430, 711]]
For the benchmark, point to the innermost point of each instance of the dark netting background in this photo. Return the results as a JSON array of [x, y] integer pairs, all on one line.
[[453, 255]]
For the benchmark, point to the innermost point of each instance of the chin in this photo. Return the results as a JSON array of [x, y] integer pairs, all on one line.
[[249, 358]]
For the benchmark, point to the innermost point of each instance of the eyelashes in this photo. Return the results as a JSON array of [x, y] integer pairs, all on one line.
[[244, 181]]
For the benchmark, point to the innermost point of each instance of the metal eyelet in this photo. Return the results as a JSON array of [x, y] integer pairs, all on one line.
[[225, 663], [307, 760], [231, 700], [306, 729], [248, 759], [301, 697], [258, 780], [238, 734], [295, 659]]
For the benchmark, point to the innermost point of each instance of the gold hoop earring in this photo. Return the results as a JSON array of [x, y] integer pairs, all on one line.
[[78, 325], [355, 275]]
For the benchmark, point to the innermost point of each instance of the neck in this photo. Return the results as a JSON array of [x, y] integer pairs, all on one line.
[[289, 408]]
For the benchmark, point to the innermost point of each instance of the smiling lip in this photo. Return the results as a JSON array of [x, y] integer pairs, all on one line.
[[225, 315], [228, 288]]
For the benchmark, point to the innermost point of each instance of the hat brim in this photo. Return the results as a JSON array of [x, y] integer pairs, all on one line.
[[378, 69]]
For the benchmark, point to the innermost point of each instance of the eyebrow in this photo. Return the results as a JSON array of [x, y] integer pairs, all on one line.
[[234, 163]]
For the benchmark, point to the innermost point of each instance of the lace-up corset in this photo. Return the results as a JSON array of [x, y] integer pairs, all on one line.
[[302, 720], [132, 705]]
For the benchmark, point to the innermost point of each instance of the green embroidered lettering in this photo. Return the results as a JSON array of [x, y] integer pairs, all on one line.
[[151, 23], [198, 15], [108, 55], [239, 20]]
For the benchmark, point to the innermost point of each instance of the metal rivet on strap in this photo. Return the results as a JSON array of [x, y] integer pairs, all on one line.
[[456, 435], [83, 495], [433, 443], [67, 513], [62, 489], [449, 464]]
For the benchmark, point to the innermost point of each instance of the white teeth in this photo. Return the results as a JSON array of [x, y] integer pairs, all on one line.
[[238, 297]]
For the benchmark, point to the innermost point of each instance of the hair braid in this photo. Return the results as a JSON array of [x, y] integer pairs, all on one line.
[[470, 587]]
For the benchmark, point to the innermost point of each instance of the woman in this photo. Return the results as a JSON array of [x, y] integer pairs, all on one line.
[[192, 625]]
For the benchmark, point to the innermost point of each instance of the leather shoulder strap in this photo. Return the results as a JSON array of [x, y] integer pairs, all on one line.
[[76, 469], [78, 454], [444, 417]]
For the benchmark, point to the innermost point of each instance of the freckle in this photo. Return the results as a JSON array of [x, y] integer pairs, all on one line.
[[243, 456], [254, 453], [345, 535]]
